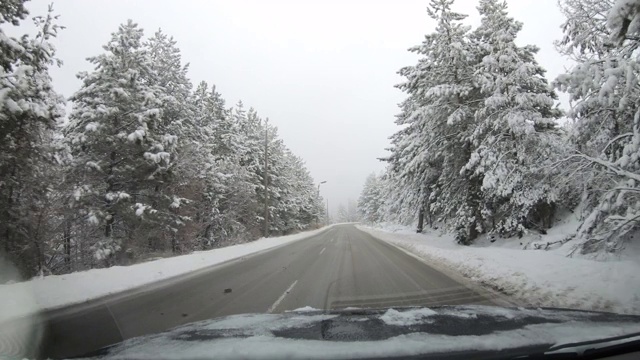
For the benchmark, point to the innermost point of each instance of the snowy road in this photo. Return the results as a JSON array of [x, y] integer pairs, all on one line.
[[340, 267]]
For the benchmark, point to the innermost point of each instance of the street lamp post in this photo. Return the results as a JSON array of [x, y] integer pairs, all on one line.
[[327, 211], [266, 178], [322, 182]]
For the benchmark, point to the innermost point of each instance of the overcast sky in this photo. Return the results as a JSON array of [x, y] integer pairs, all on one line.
[[322, 71]]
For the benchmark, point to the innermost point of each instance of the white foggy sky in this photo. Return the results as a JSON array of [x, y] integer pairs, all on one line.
[[322, 71]]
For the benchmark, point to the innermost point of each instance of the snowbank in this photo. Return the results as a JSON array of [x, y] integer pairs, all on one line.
[[534, 277], [59, 290]]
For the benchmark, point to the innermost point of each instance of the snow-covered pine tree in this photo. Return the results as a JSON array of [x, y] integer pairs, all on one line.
[[248, 158], [413, 170], [348, 213], [295, 207], [233, 194], [308, 206], [443, 98], [29, 111], [177, 123], [623, 20], [352, 210], [138, 146], [291, 195], [226, 205], [343, 215], [211, 175], [371, 201], [515, 136], [278, 177], [587, 42], [121, 145], [604, 89]]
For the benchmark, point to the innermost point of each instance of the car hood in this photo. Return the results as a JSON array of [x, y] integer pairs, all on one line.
[[447, 331]]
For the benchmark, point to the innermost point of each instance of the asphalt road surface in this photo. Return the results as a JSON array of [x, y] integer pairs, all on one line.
[[338, 268]]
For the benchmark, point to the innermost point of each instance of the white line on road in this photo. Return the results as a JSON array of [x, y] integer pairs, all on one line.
[[323, 249], [114, 319], [275, 304]]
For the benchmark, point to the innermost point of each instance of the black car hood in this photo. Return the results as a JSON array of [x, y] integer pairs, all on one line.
[[445, 332]]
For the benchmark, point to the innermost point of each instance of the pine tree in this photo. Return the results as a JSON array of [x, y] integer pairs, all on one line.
[[343, 216], [29, 111], [348, 213], [371, 199], [623, 18], [606, 116], [440, 117], [413, 169], [479, 136], [177, 123], [278, 177], [515, 135], [247, 149], [121, 144], [143, 165], [211, 170]]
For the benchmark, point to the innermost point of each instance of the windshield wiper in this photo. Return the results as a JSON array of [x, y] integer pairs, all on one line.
[[597, 348]]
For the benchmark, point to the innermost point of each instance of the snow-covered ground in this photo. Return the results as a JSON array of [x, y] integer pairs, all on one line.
[[533, 277], [49, 292]]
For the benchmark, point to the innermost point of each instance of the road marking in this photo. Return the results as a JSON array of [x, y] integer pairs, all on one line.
[[323, 249], [115, 321], [275, 304]]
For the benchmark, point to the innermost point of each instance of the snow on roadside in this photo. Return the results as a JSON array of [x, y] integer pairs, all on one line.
[[49, 292], [535, 277]]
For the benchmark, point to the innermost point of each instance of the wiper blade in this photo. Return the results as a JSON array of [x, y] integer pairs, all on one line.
[[580, 348]]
